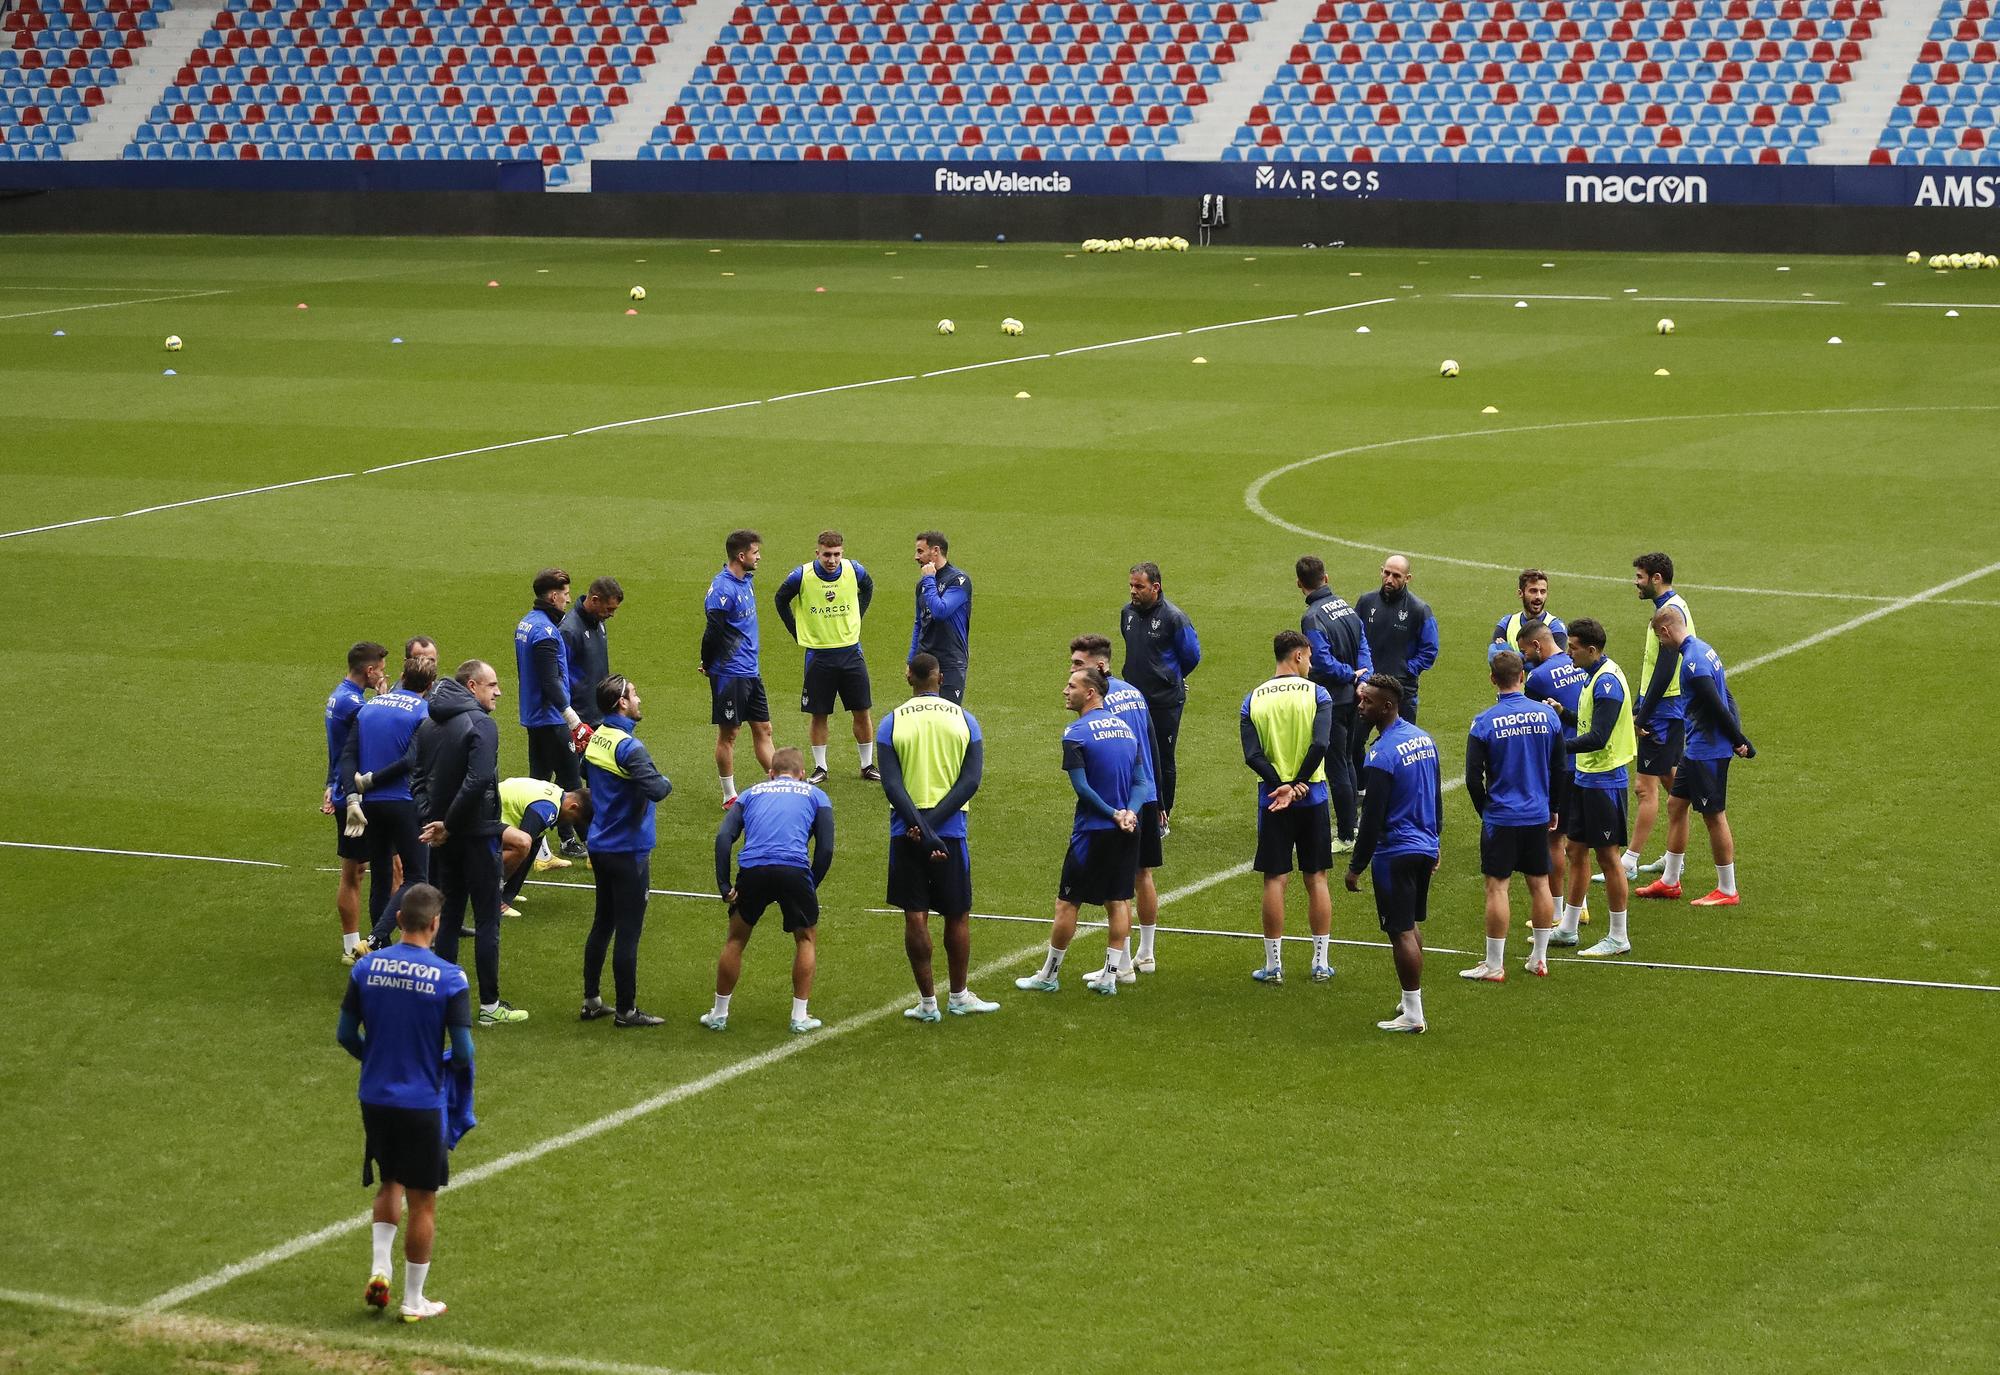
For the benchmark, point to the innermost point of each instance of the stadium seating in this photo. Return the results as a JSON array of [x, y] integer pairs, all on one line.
[[373, 79], [57, 59], [1733, 81], [1021, 79], [1947, 111]]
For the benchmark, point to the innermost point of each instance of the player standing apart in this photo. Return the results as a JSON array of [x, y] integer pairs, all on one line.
[[1127, 703], [786, 825], [1714, 737], [1286, 724], [587, 638], [1161, 650], [943, 626], [729, 659], [932, 757], [1556, 681], [541, 660], [401, 1005], [343, 704], [1402, 641], [1399, 843], [1107, 772], [624, 788], [1341, 660], [1659, 717], [1514, 758], [822, 604], [1533, 589], [1603, 745]]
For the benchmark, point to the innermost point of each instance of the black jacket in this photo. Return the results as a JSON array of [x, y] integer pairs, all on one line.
[[456, 776]]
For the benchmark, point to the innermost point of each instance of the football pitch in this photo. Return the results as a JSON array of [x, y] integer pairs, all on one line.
[[1761, 1142]]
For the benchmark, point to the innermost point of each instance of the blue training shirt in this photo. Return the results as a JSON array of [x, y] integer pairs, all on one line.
[[533, 629], [406, 998], [1560, 679], [1704, 741], [342, 706], [1128, 704], [386, 726], [778, 819], [737, 601], [1107, 750], [1409, 758], [1521, 738]]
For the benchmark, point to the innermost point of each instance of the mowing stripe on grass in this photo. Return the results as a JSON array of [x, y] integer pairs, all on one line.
[[298, 1245], [1253, 496], [176, 1325], [107, 305]]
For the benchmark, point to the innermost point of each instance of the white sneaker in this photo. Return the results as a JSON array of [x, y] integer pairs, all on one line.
[[1631, 862], [1402, 1022], [1610, 945], [424, 1308], [1104, 981], [802, 1025], [1037, 983], [715, 1021], [1484, 973], [1539, 968], [1146, 964], [1343, 847], [968, 1004], [1320, 973], [1127, 974]]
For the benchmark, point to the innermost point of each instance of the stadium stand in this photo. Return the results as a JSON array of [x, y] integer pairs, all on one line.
[[58, 58], [1746, 81], [372, 79], [1024, 80], [1946, 113]]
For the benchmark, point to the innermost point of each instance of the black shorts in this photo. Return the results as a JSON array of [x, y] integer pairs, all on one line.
[[354, 848], [1151, 852], [1508, 850], [552, 757], [951, 685], [1305, 829], [1596, 816], [406, 1145], [785, 884], [1660, 752], [1703, 784], [1402, 891], [1099, 867], [736, 700], [832, 673], [918, 883]]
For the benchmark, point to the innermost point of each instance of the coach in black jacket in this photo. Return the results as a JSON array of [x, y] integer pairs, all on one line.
[[456, 784]]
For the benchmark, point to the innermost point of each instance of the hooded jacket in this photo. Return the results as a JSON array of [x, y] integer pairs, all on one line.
[[456, 777]]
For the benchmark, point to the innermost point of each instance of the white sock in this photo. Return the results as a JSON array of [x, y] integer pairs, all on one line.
[[1496, 951], [1725, 878], [1146, 941], [1052, 963], [959, 995], [385, 1249], [929, 1003], [1676, 865], [350, 941], [798, 1009], [1541, 935], [1631, 862], [1618, 927], [1320, 944], [1118, 957], [490, 1007], [1413, 1004], [866, 748], [414, 1276], [721, 1008], [819, 756], [728, 786], [1570, 917], [1274, 952]]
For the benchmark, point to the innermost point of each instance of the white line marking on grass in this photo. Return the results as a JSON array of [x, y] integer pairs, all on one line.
[[175, 1324], [1949, 305], [215, 1279], [463, 453], [1735, 301], [996, 363], [1254, 493], [1120, 343], [140, 854], [1235, 324], [1928, 594], [59, 525], [107, 305], [844, 386], [1521, 296], [1778, 974], [230, 496], [671, 415], [1351, 305], [1185, 931]]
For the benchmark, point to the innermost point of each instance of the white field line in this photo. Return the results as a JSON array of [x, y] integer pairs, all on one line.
[[679, 1093], [996, 363], [1351, 305], [1238, 324], [140, 854], [1735, 300], [1949, 305], [178, 1325], [1520, 296], [644, 419], [1253, 495], [107, 305], [1927, 595]]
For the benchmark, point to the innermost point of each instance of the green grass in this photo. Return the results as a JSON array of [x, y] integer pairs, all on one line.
[[1615, 1169]]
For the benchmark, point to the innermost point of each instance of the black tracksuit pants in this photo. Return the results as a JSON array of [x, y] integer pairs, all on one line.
[[622, 881]]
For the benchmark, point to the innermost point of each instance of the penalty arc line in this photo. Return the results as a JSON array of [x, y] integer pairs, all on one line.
[[1253, 495], [679, 1093]]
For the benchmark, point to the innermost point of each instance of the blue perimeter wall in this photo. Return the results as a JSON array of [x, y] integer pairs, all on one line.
[[1471, 183]]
